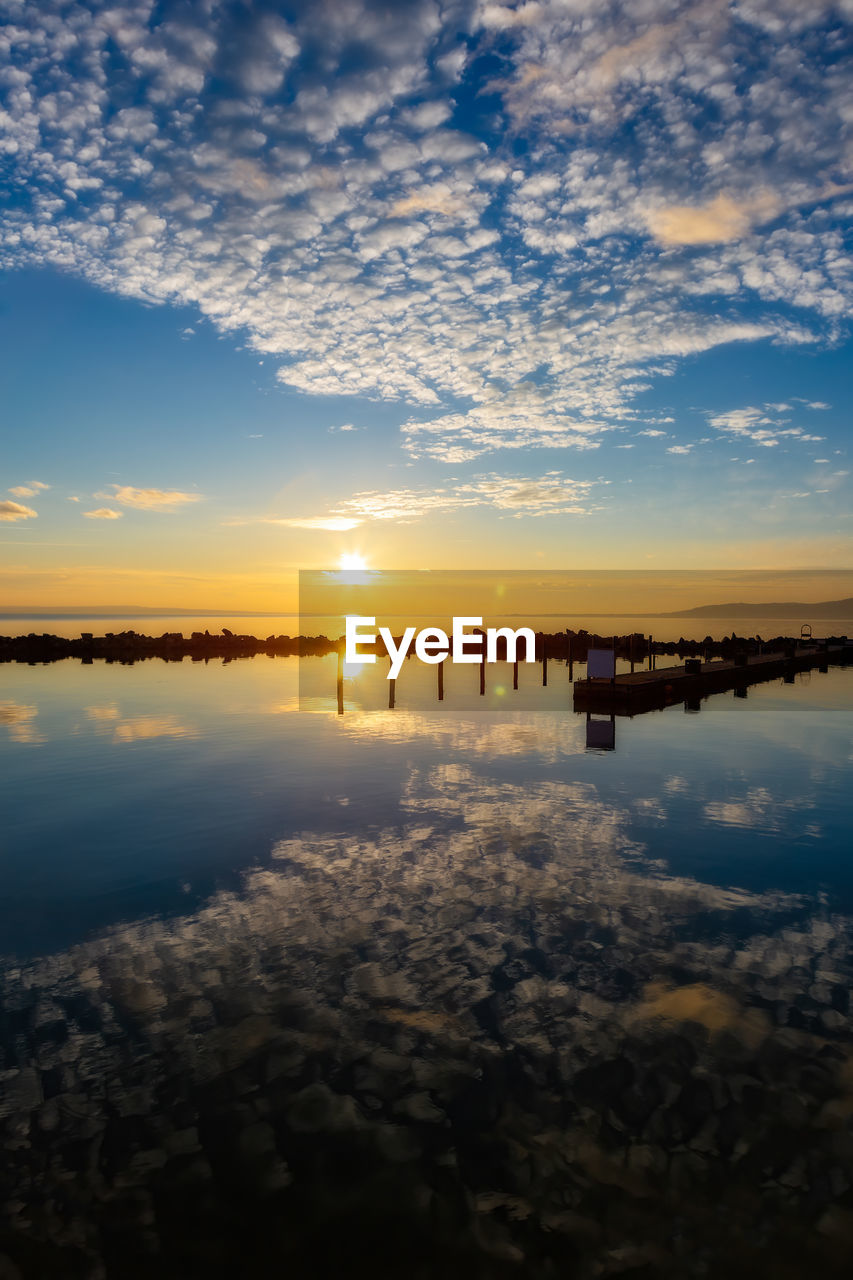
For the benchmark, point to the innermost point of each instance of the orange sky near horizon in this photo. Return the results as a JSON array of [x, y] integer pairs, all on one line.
[[275, 590]]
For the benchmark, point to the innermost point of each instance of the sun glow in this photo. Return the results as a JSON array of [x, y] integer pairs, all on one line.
[[352, 560]]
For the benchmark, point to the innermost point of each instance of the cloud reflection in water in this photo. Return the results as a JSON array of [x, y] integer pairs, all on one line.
[[494, 1034]]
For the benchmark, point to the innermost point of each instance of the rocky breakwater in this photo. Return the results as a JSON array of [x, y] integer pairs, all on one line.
[[202, 646], [172, 646]]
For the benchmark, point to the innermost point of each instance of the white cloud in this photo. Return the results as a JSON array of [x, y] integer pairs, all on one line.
[[331, 523], [549, 494], [528, 416], [29, 490], [760, 425], [150, 499], [103, 513], [10, 511], [301, 181]]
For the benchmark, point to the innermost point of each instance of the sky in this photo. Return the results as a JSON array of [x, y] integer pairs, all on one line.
[[438, 285]]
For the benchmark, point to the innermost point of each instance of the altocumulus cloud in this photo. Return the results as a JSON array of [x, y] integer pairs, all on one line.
[[103, 513], [149, 499], [550, 494], [329, 524], [763, 425], [10, 511], [29, 490], [315, 181]]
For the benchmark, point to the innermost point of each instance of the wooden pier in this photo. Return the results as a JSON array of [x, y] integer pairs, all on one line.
[[632, 693]]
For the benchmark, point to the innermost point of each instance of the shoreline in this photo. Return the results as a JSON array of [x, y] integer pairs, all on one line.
[[173, 646]]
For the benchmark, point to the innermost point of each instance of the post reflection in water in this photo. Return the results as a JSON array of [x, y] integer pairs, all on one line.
[[492, 1034]]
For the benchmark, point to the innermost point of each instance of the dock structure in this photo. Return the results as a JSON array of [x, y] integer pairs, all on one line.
[[632, 693]]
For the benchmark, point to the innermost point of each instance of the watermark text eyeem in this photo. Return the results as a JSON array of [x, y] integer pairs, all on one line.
[[433, 645]]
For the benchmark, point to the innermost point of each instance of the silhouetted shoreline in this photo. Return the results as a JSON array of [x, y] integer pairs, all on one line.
[[174, 646]]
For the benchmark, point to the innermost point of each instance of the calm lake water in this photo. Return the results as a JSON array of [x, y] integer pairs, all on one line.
[[435, 990]]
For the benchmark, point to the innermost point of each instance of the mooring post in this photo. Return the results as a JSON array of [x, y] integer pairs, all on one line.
[[441, 681], [515, 674], [571, 656], [479, 632], [340, 681], [632, 653], [392, 690], [544, 664], [651, 655]]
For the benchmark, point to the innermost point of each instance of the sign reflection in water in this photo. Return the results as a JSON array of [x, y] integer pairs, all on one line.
[[600, 733]]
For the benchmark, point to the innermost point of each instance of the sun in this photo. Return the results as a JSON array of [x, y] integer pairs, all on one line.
[[352, 560]]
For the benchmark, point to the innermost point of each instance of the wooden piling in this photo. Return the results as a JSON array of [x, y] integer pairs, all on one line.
[[340, 682], [441, 681]]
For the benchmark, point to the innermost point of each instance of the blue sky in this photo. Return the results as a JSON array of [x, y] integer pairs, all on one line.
[[455, 284]]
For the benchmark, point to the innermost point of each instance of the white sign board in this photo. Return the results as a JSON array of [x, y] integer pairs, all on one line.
[[600, 664]]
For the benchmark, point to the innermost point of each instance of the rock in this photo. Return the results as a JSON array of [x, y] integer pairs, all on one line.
[[686, 1170], [837, 1223], [420, 1107], [182, 1142], [644, 1158], [795, 1175], [140, 1167], [132, 1102], [188, 1173], [257, 1140], [840, 997], [316, 1108], [259, 1158], [48, 1116], [284, 1060], [20, 1092], [397, 1143]]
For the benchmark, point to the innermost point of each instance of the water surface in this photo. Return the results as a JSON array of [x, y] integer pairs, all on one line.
[[423, 991]]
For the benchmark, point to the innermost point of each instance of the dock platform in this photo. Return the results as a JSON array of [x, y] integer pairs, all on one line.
[[632, 693]]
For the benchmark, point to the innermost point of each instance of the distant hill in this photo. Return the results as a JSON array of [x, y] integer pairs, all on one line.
[[804, 611]]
